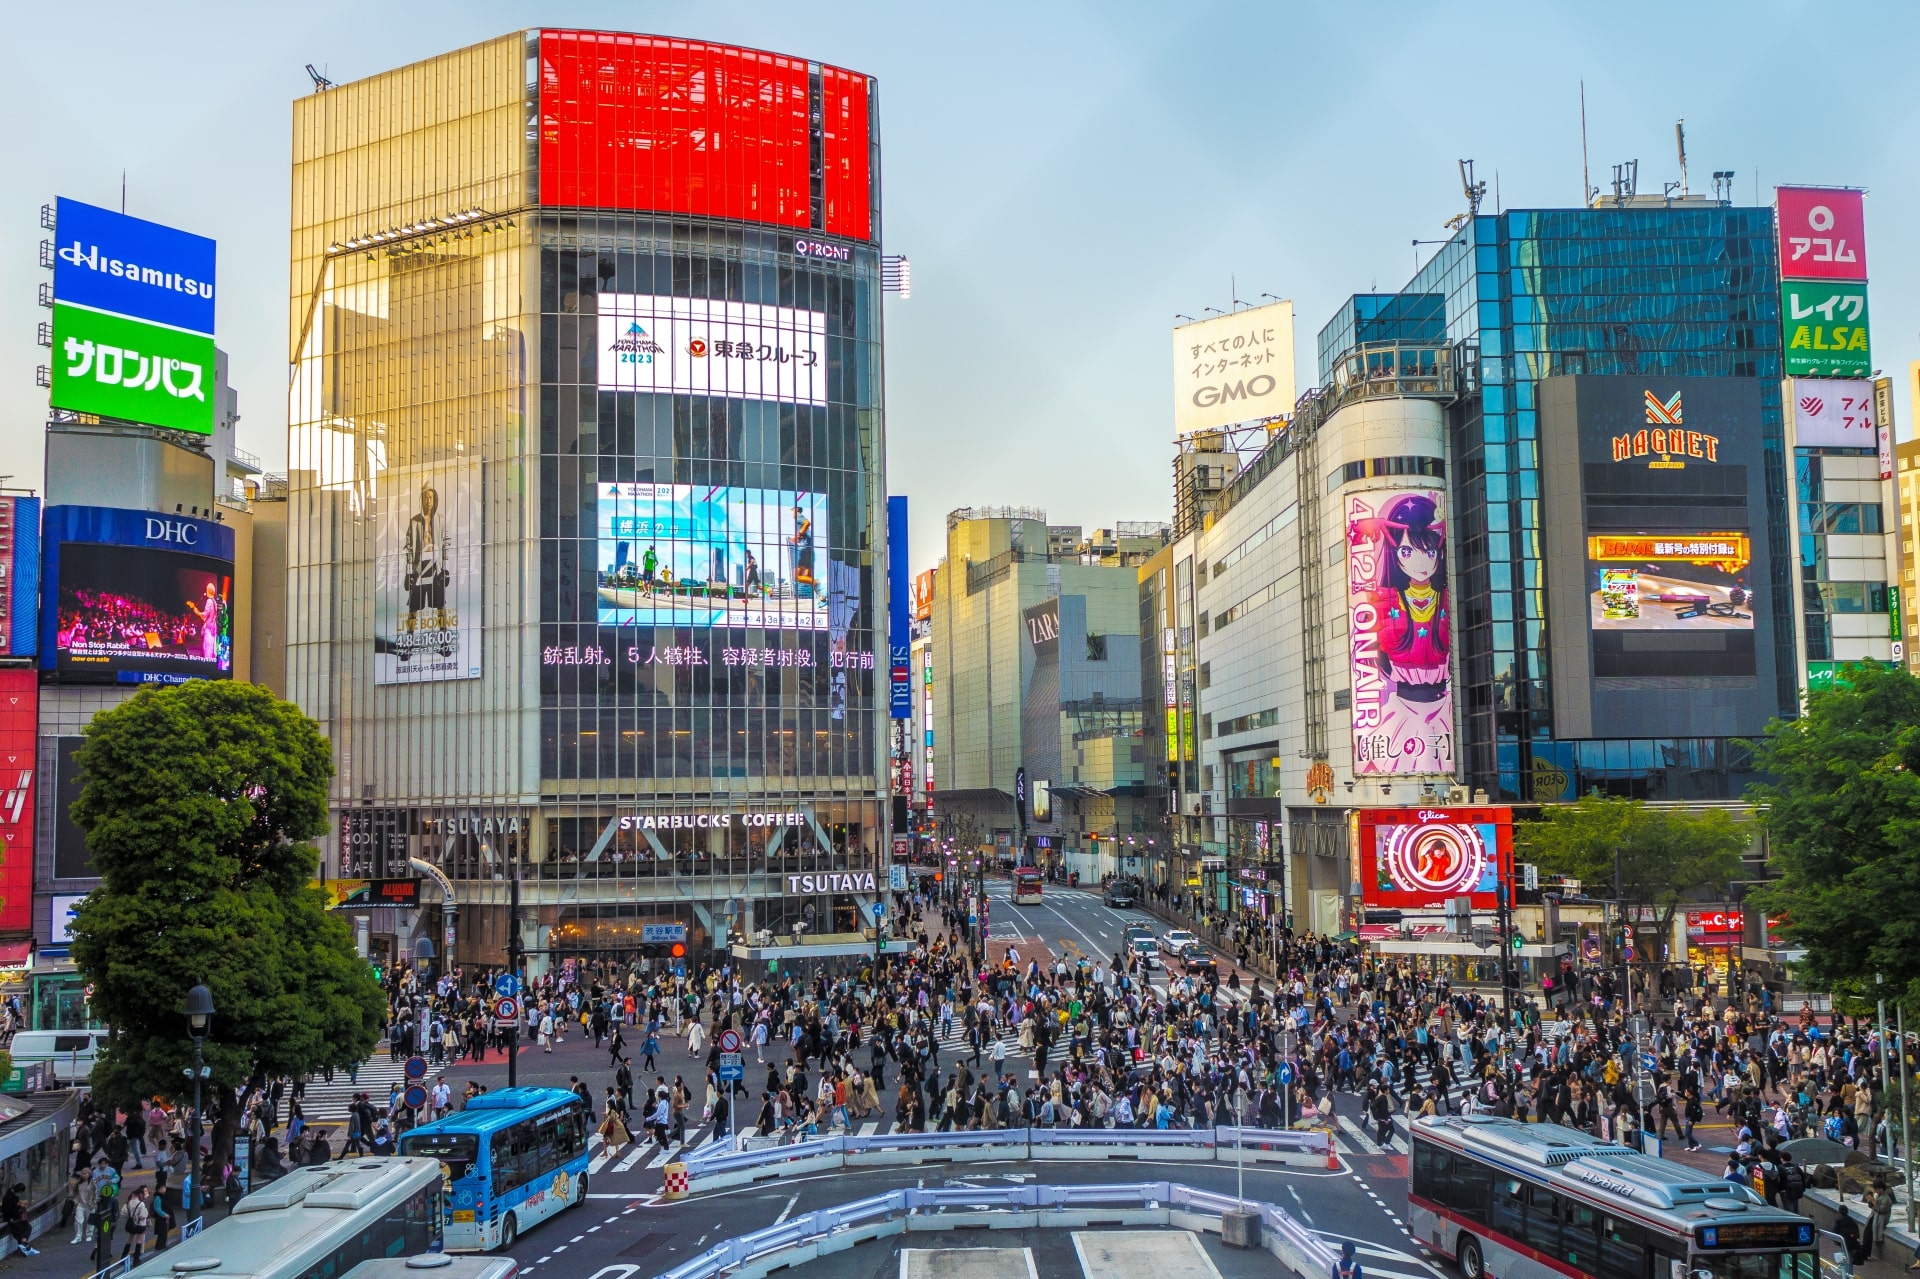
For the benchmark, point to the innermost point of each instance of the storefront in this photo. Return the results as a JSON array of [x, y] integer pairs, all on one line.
[[1713, 944]]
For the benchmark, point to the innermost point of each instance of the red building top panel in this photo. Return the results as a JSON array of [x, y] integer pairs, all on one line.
[[652, 124]]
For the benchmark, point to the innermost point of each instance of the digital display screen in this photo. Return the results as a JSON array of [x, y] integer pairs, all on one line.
[[1757, 1234], [700, 555], [1671, 603], [145, 611], [1423, 856]]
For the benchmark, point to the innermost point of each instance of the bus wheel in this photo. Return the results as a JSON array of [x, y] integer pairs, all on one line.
[[580, 1198], [510, 1235], [1471, 1263]]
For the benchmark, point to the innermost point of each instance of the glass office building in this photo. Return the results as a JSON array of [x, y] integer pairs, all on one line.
[[586, 457], [1654, 290]]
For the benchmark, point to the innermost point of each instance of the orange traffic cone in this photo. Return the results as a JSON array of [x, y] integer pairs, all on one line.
[[1333, 1154]]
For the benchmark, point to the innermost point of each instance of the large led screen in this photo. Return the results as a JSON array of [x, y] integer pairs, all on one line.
[[143, 611], [1668, 596], [1416, 858], [739, 350], [1399, 637], [700, 555]]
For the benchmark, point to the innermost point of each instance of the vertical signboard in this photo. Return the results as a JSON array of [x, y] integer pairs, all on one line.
[[19, 576], [133, 306], [1823, 281], [1825, 326], [19, 744], [1823, 233], [1400, 619], [427, 598], [899, 614]]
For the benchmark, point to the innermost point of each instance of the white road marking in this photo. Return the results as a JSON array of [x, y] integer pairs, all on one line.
[[784, 1212], [631, 1159]]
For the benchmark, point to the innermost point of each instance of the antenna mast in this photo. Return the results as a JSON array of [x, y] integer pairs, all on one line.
[[1586, 178], [1680, 141], [1475, 191]]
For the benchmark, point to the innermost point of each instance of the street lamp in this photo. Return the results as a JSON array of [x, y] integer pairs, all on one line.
[[199, 1011]]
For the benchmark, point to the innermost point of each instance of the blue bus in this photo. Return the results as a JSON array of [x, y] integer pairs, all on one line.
[[509, 1161]]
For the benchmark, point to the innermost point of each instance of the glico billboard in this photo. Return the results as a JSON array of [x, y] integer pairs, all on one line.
[[1416, 858]]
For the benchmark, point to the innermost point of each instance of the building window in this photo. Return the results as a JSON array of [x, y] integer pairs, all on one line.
[[1096, 648]]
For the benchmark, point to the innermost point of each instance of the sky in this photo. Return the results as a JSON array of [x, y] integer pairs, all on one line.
[[1066, 178]]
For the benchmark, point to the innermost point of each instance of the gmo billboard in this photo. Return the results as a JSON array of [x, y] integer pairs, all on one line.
[[1233, 368]]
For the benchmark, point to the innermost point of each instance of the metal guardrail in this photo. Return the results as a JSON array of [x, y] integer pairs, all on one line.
[[124, 1264], [1021, 1206], [843, 1151]]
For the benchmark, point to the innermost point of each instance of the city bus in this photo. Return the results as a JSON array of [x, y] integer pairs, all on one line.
[[511, 1159], [318, 1223], [1026, 886], [1533, 1201]]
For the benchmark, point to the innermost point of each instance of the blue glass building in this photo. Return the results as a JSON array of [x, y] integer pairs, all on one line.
[[1682, 290]]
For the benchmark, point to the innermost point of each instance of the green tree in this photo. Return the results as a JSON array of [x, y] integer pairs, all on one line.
[[198, 803], [1843, 826], [1656, 858]]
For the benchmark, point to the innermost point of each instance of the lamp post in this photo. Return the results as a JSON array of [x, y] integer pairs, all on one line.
[[199, 1011]]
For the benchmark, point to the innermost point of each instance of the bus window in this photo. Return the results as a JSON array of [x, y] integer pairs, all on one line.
[[1623, 1249], [1472, 1188], [1580, 1238], [1508, 1209], [457, 1150], [1432, 1170], [1543, 1220]]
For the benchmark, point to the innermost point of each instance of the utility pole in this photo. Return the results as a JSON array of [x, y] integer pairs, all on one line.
[[513, 966], [1506, 957]]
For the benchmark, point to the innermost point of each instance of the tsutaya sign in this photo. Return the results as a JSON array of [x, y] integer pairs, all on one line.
[[708, 821], [831, 881]]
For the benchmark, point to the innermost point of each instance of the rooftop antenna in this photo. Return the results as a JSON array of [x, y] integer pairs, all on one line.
[[319, 81], [1586, 178], [1680, 141], [123, 191], [1475, 191]]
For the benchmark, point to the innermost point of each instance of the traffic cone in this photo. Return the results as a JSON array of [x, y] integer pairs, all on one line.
[[1333, 1153]]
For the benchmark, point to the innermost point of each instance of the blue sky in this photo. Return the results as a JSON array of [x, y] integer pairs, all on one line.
[[1065, 177]]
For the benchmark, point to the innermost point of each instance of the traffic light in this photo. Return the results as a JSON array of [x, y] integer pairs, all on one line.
[[678, 950], [1519, 940]]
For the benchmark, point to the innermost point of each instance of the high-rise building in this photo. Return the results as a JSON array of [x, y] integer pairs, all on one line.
[[586, 452]]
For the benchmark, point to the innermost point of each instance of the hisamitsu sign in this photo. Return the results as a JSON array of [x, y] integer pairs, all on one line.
[[107, 261]]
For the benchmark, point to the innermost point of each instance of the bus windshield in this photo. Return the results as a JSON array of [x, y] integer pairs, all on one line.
[[1754, 1265], [454, 1149]]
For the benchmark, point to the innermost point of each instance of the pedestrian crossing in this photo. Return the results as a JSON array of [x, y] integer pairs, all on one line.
[[643, 1154], [327, 1102]]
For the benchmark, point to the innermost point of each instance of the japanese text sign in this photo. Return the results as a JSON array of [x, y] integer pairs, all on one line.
[[1825, 328], [129, 369], [1233, 368], [1834, 413], [1822, 234]]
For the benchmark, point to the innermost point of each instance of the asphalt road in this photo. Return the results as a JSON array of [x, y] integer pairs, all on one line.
[[625, 1223]]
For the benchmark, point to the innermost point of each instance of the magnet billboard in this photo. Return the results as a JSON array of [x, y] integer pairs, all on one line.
[[1399, 632], [107, 261], [1417, 858], [1233, 368], [1823, 233]]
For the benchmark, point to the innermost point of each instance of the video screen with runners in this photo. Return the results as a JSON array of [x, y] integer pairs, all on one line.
[[130, 608], [700, 555]]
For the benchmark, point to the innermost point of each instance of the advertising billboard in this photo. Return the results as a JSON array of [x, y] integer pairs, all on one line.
[[132, 370], [681, 126], [694, 346], [136, 597], [1825, 328], [1657, 599], [19, 575], [711, 555], [1834, 413], [1233, 368], [1399, 637], [427, 590], [19, 757], [1416, 858], [1823, 233], [899, 615], [107, 261], [923, 596]]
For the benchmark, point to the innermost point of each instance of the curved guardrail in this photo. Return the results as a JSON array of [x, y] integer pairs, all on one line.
[[1162, 1203], [727, 1167]]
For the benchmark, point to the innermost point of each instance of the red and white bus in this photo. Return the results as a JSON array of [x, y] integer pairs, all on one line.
[[1026, 886]]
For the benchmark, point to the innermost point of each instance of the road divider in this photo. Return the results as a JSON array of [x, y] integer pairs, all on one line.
[[719, 1171], [1148, 1203]]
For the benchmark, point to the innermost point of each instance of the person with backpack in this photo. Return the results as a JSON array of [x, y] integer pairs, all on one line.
[[1793, 1182]]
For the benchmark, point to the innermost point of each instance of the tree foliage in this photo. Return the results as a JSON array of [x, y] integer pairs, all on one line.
[[1843, 824], [198, 803], [1666, 856]]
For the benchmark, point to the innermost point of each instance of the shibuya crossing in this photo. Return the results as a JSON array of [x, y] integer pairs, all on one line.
[[587, 487]]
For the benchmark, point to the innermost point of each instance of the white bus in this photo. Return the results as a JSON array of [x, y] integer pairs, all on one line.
[[315, 1223], [1540, 1201]]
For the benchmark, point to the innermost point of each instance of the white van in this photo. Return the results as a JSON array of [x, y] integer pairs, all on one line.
[[69, 1054]]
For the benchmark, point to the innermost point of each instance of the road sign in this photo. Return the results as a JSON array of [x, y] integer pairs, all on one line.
[[729, 1041], [897, 878], [879, 910], [506, 1008], [731, 1067], [1285, 1072], [663, 932], [506, 985], [415, 1096], [416, 1068], [1627, 952]]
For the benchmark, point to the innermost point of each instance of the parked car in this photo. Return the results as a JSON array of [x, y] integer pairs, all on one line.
[[1119, 896], [1176, 940], [69, 1054]]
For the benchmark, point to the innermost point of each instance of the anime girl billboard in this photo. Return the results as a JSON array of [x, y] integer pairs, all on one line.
[[1399, 610]]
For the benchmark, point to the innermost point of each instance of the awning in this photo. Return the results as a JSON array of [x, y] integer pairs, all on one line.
[[16, 954]]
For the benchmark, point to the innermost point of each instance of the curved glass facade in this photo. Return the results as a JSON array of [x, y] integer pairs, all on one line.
[[588, 554]]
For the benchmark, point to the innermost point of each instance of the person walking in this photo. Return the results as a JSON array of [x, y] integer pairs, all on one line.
[[139, 1217]]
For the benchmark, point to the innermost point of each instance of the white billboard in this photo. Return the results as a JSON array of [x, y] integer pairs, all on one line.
[[693, 346], [1233, 368], [1833, 413], [426, 599]]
